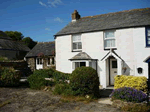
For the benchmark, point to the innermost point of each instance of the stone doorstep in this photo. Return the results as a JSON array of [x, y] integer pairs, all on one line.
[[105, 101]]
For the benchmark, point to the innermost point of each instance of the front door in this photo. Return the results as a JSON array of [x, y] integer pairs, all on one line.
[[39, 63], [113, 70]]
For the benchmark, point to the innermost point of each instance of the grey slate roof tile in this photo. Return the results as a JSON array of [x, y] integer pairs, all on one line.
[[44, 48], [81, 55], [122, 19], [6, 43]]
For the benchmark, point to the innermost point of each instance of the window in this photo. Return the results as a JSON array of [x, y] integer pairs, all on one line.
[[148, 37], [76, 42], [39, 61], [114, 64], [79, 64], [50, 61], [109, 39]]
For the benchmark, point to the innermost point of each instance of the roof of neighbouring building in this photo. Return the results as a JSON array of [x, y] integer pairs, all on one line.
[[4, 35], [122, 19], [6, 43], [42, 48], [81, 56]]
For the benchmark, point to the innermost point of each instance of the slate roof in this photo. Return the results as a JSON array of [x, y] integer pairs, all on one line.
[[42, 48], [81, 56], [6, 43], [4, 35], [122, 19]]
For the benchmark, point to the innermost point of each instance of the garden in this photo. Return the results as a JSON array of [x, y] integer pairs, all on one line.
[[82, 85]]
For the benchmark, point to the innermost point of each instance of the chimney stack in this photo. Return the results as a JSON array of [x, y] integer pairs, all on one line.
[[75, 16]]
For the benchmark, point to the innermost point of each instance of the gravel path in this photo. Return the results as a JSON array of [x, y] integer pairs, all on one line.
[[27, 100]]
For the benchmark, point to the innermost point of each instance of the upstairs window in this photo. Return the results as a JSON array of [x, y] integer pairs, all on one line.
[[109, 39], [76, 43], [148, 37]]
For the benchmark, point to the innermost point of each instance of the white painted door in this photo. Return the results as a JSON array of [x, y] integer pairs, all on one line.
[[39, 63], [113, 70]]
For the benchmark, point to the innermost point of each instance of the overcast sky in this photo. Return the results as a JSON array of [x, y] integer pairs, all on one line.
[[41, 19]]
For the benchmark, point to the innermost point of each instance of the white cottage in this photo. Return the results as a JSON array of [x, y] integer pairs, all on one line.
[[113, 44]]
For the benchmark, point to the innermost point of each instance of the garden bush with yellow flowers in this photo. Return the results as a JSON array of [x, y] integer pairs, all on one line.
[[137, 82]]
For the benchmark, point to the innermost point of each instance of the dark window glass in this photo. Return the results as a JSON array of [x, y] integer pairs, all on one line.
[[48, 61], [53, 61], [114, 64], [82, 64]]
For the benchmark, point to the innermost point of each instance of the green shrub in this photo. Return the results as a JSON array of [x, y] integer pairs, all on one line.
[[60, 88], [37, 79], [137, 82], [60, 76], [9, 77], [46, 73], [84, 81], [128, 94]]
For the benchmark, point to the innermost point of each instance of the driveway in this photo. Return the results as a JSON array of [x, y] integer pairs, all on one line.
[[27, 100]]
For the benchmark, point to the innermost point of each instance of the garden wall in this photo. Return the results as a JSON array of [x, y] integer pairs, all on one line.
[[20, 65]]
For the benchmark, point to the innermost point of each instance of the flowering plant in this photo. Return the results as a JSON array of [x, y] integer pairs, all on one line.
[[128, 94]]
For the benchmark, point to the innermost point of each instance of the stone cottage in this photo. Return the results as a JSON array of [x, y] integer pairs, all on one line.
[[42, 56]]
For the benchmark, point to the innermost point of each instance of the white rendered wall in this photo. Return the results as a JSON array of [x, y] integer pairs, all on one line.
[[130, 47]]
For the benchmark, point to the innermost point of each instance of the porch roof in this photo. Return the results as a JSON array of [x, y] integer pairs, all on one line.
[[82, 56], [147, 60], [111, 53]]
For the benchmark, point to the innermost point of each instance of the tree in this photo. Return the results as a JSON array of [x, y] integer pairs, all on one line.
[[15, 35], [29, 42]]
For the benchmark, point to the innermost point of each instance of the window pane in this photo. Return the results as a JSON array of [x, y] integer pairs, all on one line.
[[79, 45], [40, 60], [109, 34], [74, 45], [53, 61], [82, 64], [48, 60], [107, 43], [148, 32], [76, 37], [77, 64], [114, 64], [90, 64], [110, 43], [113, 43]]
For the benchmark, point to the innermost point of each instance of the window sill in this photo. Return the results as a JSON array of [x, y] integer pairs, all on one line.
[[110, 48], [76, 50]]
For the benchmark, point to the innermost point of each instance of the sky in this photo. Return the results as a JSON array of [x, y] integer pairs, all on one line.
[[42, 19]]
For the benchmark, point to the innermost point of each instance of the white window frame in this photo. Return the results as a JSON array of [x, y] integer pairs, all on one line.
[[50, 59], [40, 60], [76, 41], [109, 38], [87, 63]]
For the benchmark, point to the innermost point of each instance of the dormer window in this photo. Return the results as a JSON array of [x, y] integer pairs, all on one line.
[[148, 37], [76, 42], [109, 39]]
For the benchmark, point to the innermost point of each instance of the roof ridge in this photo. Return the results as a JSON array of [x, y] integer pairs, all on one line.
[[46, 42], [141, 9]]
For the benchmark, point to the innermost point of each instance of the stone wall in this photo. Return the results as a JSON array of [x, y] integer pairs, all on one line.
[[32, 63], [20, 65]]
